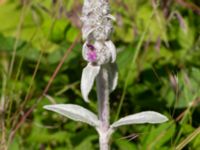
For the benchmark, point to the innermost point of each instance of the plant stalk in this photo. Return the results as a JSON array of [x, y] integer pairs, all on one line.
[[103, 108], [3, 143]]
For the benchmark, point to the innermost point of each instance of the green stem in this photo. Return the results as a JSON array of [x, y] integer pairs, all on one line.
[[3, 143], [139, 45]]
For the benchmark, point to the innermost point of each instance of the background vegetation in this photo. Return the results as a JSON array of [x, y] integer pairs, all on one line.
[[159, 69]]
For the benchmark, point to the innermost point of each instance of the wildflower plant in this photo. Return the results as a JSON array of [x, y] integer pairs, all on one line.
[[100, 53]]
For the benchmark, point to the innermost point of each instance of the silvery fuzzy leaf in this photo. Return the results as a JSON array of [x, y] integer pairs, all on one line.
[[87, 2], [112, 49], [112, 75], [86, 31], [87, 80], [140, 118], [84, 51], [75, 112], [88, 6], [111, 17]]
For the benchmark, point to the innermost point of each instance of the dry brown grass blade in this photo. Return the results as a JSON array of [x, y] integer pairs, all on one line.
[[187, 140], [189, 5]]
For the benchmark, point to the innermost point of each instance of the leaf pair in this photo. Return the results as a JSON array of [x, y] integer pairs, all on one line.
[[78, 113], [89, 74]]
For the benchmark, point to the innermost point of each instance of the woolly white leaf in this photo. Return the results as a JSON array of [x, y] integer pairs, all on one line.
[[87, 80], [111, 17], [86, 31], [84, 51], [75, 112], [112, 75], [112, 49], [140, 118]]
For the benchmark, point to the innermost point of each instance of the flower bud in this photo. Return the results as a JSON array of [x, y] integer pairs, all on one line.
[[97, 22]]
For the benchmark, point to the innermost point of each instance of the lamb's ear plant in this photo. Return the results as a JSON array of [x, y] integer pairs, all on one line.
[[100, 53]]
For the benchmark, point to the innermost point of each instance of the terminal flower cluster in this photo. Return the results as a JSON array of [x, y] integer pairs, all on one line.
[[98, 50]]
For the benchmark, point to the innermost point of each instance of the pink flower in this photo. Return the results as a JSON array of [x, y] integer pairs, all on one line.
[[91, 53]]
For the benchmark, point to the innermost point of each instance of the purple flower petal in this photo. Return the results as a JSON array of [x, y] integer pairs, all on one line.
[[91, 47], [91, 53], [92, 56]]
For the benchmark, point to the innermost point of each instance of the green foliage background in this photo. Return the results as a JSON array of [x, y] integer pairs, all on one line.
[[163, 76]]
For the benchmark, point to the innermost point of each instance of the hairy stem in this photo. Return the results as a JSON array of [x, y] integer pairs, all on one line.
[[103, 108]]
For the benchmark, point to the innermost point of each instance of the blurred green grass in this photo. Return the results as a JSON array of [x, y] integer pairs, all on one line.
[[165, 76]]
